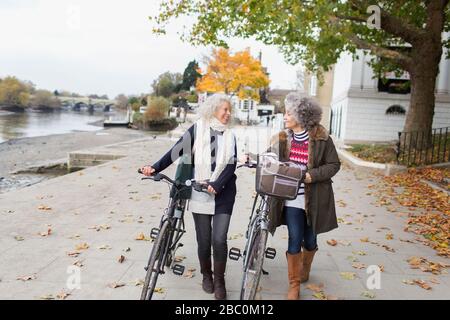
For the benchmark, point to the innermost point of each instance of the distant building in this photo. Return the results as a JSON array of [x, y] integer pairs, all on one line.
[[364, 108]]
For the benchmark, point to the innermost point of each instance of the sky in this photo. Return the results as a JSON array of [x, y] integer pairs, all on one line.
[[104, 46]]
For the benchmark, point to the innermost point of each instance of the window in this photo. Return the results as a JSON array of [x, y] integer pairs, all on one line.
[[395, 110]]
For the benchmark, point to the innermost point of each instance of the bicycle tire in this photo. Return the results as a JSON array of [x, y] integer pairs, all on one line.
[[155, 258], [253, 268]]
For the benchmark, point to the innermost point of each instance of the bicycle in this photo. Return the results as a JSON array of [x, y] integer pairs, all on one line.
[[255, 248], [167, 237]]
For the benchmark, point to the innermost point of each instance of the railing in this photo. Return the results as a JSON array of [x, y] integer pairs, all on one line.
[[418, 148]]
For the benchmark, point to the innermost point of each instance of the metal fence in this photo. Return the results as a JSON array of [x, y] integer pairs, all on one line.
[[417, 148]]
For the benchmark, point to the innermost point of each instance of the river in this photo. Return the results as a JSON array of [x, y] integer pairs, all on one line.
[[35, 124]]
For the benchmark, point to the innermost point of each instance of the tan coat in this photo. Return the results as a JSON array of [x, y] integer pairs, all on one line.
[[323, 164]]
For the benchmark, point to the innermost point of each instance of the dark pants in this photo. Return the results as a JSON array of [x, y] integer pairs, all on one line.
[[212, 231], [299, 231]]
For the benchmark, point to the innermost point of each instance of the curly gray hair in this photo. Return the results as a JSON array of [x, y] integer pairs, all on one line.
[[212, 104], [305, 110]]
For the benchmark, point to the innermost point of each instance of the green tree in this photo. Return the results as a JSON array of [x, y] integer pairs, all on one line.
[[15, 93], [190, 76], [167, 84], [401, 35], [45, 98]]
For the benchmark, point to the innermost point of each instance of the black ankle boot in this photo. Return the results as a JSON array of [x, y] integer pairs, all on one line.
[[220, 292], [207, 282]]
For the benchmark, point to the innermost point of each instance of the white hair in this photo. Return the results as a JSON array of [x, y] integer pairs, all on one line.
[[212, 104], [305, 110]]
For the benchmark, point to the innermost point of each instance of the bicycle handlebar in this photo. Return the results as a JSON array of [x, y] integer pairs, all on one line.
[[198, 186]]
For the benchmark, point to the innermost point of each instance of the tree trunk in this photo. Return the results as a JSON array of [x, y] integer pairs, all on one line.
[[419, 118]]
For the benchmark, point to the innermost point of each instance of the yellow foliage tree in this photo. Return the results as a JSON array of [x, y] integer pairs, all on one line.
[[239, 74]]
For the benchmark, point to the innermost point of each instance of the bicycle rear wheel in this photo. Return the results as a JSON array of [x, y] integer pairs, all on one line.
[[253, 267], [155, 262]]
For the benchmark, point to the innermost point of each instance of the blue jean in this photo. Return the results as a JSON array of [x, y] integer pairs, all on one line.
[[299, 231]]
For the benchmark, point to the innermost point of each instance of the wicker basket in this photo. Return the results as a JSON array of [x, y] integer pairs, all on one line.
[[278, 179]]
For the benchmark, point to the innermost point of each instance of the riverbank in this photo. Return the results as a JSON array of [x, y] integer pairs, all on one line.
[[23, 153]]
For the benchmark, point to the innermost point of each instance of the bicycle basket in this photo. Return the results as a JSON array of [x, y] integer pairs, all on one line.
[[278, 179]]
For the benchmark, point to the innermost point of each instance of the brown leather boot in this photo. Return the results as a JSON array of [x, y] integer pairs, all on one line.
[[206, 271], [220, 292], [308, 257], [294, 270]]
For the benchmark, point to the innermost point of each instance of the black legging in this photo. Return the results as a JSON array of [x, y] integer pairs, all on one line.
[[217, 230]]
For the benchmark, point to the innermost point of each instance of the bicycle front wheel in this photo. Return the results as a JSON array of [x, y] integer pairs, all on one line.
[[155, 262], [253, 267]]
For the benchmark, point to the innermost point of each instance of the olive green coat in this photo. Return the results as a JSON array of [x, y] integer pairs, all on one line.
[[323, 164]]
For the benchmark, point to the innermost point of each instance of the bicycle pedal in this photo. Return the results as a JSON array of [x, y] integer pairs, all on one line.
[[178, 269], [234, 254], [271, 253], [154, 233]]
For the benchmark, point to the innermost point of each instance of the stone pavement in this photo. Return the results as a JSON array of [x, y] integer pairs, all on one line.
[[100, 211]]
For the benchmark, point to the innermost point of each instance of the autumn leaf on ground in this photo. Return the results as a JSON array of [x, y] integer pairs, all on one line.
[[422, 284], [360, 253], [320, 296], [142, 237], [389, 236], [19, 238], [236, 236], [189, 274], [348, 275], [127, 249], [366, 239], [381, 267], [352, 259], [73, 254], [341, 203], [44, 208], [359, 265], [47, 297], [104, 247], [62, 295], [74, 237], [315, 287], [79, 263], [115, 285], [139, 282], [27, 278], [121, 259], [82, 246], [179, 258], [158, 290], [47, 233], [388, 248], [344, 243], [368, 294], [332, 242]]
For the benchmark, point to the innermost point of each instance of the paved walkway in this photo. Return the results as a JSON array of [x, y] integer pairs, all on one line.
[[99, 212]]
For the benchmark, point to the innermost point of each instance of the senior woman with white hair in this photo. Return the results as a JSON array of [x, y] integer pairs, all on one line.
[[212, 149], [308, 143]]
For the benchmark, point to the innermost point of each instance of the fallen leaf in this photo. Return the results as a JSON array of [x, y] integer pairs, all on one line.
[[368, 294], [73, 253], [104, 247], [142, 237], [19, 238], [47, 297], [348, 275], [82, 246], [388, 248], [127, 249], [315, 287], [47, 233], [359, 265], [44, 208], [158, 290], [189, 274], [79, 263], [360, 253], [179, 258], [27, 278], [422, 284], [389, 236], [320, 296], [344, 242], [365, 239], [62, 295], [121, 259], [332, 242], [115, 285], [139, 282]]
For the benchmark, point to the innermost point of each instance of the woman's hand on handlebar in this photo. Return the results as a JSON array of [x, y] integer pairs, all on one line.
[[147, 171], [211, 190]]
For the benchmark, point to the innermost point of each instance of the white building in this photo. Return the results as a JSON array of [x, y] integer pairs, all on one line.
[[363, 109]]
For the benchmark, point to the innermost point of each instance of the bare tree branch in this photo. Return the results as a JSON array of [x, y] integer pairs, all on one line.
[[404, 61]]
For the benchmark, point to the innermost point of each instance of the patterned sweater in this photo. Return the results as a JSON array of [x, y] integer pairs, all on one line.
[[299, 154]]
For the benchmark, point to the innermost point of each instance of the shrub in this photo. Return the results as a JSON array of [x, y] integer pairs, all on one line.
[[157, 110]]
